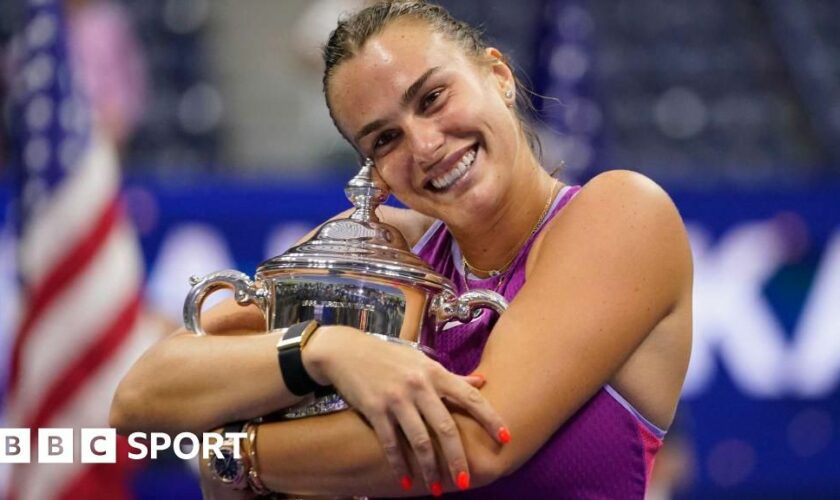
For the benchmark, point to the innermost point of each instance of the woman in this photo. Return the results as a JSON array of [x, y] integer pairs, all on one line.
[[583, 370]]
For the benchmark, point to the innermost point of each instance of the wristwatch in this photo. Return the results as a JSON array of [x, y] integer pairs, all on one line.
[[289, 349], [229, 469]]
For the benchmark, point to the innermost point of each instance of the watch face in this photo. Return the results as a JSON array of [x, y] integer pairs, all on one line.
[[228, 469]]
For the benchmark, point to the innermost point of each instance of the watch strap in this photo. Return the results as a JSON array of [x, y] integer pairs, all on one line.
[[233, 427], [289, 357]]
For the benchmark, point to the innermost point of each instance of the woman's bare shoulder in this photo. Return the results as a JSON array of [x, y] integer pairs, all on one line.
[[618, 185], [620, 192], [616, 208]]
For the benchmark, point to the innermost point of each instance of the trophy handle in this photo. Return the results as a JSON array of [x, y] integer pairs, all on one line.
[[446, 306], [245, 291]]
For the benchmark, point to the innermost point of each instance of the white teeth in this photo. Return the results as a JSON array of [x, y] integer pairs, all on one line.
[[456, 173]]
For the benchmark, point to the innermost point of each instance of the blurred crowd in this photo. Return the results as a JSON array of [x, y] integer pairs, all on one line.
[[689, 92]]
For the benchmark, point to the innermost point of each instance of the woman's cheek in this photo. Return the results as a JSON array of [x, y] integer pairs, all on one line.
[[396, 176]]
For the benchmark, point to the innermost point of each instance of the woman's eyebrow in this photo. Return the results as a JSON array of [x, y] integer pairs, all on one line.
[[409, 94], [412, 90]]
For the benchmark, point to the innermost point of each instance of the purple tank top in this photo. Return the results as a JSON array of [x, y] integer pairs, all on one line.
[[605, 450]]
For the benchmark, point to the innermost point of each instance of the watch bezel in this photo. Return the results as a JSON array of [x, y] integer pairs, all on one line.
[[225, 474], [228, 469]]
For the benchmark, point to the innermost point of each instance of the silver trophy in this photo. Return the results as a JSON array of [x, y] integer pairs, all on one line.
[[355, 271]]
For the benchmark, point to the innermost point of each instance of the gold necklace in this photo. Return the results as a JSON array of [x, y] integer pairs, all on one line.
[[496, 288], [496, 272]]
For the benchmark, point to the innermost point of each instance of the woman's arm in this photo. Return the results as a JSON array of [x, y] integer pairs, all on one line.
[[610, 268], [189, 383], [185, 382]]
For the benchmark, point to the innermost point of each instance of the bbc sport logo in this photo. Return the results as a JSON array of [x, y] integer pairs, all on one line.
[[99, 445]]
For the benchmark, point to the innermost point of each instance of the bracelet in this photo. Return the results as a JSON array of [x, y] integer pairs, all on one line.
[[254, 481]]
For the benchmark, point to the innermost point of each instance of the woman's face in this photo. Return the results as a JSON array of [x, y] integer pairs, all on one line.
[[436, 122]]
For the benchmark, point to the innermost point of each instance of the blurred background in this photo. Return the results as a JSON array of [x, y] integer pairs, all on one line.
[[213, 112]]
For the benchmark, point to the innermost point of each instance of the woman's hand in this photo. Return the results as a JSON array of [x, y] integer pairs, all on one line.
[[393, 385]]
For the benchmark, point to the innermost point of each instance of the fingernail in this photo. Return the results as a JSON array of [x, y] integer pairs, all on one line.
[[479, 375], [437, 489], [463, 480], [405, 482], [504, 435]]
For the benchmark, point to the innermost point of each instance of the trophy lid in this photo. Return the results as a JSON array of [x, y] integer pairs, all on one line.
[[360, 243]]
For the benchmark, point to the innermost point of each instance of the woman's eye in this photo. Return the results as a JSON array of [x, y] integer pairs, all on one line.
[[430, 98], [384, 139]]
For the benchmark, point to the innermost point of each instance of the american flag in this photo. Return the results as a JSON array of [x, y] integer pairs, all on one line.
[[79, 264]]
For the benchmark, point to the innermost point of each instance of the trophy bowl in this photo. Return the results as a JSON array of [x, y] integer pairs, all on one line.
[[355, 271]]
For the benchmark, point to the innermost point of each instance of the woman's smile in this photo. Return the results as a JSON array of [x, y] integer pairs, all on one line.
[[446, 174]]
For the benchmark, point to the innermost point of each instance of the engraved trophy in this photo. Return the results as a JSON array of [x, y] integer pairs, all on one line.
[[356, 271]]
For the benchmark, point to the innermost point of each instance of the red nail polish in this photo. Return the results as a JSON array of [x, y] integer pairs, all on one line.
[[504, 435], [405, 482], [437, 489], [463, 480]]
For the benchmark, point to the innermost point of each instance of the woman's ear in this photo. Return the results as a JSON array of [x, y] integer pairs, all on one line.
[[502, 72]]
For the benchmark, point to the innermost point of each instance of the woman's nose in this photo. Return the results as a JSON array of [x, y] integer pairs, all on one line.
[[426, 142]]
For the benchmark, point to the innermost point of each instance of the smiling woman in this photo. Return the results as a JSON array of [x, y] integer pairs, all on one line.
[[441, 97], [581, 375]]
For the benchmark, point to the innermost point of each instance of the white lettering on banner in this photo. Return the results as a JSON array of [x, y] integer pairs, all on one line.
[[160, 442], [816, 358], [733, 321], [187, 249], [135, 442], [212, 442], [178, 443], [731, 316]]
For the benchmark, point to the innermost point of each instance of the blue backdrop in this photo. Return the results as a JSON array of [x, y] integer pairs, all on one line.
[[761, 413]]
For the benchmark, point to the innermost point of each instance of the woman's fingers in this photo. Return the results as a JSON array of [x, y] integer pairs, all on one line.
[[406, 388], [417, 433], [459, 391], [384, 427], [437, 417], [475, 379]]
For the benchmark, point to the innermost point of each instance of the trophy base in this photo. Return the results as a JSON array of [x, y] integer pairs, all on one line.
[[323, 405]]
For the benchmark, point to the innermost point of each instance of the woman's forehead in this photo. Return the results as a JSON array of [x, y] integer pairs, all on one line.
[[377, 77]]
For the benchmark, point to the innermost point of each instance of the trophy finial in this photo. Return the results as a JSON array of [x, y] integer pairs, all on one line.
[[365, 193]]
